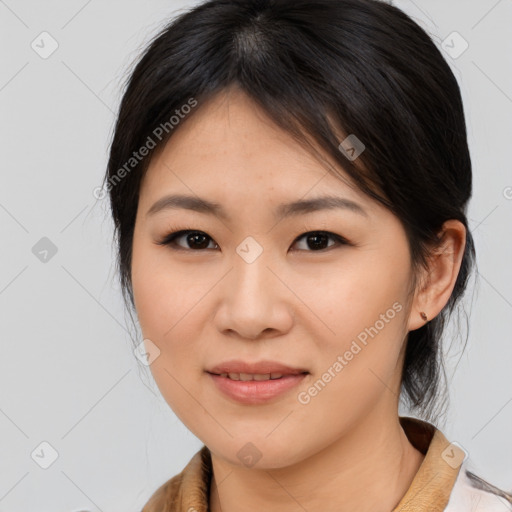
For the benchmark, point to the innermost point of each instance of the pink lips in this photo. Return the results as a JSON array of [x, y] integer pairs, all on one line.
[[255, 391]]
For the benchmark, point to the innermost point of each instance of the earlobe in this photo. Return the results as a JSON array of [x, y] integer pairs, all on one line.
[[444, 266]]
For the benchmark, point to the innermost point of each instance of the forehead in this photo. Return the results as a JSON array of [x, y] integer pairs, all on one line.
[[229, 145]]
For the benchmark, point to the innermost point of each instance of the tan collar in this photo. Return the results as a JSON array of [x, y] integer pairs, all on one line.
[[429, 491], [433, 483]]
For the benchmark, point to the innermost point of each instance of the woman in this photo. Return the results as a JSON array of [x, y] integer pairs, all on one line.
[[289, 183]]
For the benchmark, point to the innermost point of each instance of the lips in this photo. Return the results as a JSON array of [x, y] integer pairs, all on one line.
[[257, 392], [249, 370]]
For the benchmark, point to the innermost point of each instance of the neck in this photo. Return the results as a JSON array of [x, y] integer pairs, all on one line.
[[369, 468]]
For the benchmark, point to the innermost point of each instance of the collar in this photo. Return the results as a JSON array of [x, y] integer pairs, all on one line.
[[429, 491], [433, 483]]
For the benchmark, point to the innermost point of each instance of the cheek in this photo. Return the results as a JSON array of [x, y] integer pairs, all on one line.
[[348, 298], [360, 308], [162, 293], [164, 303], [171, 313], [363, 318]]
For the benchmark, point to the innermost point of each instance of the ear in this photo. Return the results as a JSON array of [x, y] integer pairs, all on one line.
[[436, 284]]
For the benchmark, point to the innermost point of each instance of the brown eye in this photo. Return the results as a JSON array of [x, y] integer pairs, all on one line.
[[194, 240], [318, 240]]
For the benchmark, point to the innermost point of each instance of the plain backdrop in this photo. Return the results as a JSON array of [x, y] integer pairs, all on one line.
[[73, 396]]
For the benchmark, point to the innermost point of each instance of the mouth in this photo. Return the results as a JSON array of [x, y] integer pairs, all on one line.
[[255, 389], [237, 369], [247, 377]]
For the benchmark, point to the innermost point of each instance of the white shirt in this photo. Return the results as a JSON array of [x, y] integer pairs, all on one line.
[[470, 493]]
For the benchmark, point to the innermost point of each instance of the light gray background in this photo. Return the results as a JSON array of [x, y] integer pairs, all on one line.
[[67, 372]]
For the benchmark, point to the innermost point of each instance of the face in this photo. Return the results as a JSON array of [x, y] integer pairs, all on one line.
[[320, 289]]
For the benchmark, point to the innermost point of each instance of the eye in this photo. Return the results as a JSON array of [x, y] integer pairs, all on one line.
[[318, 239], [198, 240]]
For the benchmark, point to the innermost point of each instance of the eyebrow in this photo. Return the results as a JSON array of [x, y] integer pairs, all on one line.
[[299, 207]]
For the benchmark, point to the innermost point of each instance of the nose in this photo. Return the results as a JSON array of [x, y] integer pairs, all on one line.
[[255, 303]]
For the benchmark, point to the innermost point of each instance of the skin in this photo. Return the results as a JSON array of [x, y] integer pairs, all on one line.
[[344, 450]]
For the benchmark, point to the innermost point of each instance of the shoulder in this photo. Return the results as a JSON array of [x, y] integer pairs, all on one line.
[[186, 491], [164, 497], [472, 493]]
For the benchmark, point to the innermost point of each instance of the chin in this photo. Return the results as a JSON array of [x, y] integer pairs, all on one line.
[[257, 453]]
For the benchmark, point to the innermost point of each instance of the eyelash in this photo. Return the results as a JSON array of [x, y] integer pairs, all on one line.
[[169, 239]]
